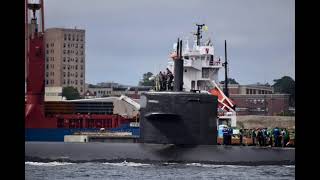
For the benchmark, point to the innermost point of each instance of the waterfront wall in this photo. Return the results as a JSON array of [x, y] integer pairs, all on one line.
[[254, 121]]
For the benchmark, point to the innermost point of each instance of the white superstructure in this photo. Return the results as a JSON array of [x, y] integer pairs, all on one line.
[[200, 73], [201, 66]]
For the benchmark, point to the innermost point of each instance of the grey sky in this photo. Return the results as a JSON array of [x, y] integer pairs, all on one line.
[[126, 38]]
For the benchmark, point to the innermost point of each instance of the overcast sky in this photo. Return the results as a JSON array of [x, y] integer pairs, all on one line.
[[126, 38]]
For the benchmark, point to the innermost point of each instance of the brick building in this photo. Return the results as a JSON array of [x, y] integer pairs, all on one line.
[[257, 99]]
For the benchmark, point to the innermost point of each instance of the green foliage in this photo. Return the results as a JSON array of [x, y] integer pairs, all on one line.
[[230, 81], [70, 93], [285, 85], [145, 80], [92, 86]]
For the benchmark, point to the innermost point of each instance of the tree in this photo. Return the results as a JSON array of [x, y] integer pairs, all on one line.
[[146, 80], [230, 81], [70, 93], [285, 85]]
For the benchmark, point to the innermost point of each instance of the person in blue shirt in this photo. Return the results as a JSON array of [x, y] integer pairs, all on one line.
[[276, 135]]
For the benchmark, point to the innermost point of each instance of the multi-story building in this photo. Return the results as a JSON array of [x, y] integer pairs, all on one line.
[[249, 89], [114, 89], [257, 99], [65, 58]]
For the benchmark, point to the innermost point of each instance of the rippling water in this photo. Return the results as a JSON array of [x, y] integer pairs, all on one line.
[[131, 170]]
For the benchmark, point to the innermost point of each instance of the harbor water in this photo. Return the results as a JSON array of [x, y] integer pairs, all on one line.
[[131, 170]]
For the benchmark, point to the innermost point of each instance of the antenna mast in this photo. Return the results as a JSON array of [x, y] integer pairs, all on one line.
[[226, 90], [198, 34]]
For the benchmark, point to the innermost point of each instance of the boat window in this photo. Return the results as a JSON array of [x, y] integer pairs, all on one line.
[[193, 84], [205, 73]]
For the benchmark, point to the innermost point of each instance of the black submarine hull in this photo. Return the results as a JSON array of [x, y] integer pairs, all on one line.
[[157, 153]]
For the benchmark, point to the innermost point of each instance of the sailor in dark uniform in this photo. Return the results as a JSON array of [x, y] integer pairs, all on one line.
[[169, 80], [225, 135], [230, 133]]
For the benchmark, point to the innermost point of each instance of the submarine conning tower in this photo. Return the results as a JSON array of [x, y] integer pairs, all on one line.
[[177, 117]]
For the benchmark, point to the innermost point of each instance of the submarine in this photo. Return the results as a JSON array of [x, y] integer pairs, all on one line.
[[175, 126]]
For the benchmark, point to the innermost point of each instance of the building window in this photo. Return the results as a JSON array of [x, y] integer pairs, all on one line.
[[64, 81], [64, 45], [47, 74], [64, 59], [69, 37], [81, 53], [68, 74], [65, 37], [76, 59], [64, 51], [47, 81], [76, 52], [81, 90], [81, 75], [82, 60], [77, 37], [68, 59], [81, 67], [76, 82], [76, 45], [47, 45], [247, 91], [81, 46], [68, 67], [76, 74], [47, 67], [64, 66], [52, 45], [68, 51], [47, 51], [47, 59], [81, 38], [76, 67], [81, 82], [64, 74], [68, 82], [73, 37]]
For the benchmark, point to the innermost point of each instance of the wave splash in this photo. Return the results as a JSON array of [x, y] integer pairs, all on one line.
[[125, 163], [54, 163]]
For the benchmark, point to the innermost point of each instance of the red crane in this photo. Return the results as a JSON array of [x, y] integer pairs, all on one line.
[[34, 109]]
